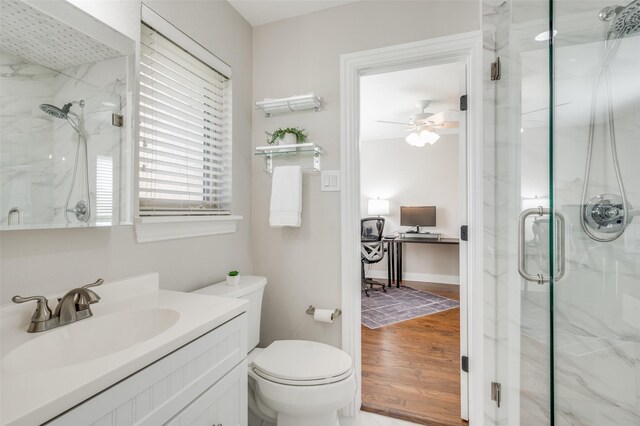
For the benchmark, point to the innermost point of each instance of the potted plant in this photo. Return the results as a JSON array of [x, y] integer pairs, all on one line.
[[233, 278], [286, 136]]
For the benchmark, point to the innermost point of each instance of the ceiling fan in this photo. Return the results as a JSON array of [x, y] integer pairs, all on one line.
[[424, 126]]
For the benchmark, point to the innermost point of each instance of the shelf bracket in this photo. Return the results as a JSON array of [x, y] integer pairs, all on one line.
[[316, 162], [268, 163]]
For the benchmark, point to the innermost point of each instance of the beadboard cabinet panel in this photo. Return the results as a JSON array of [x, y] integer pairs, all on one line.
[[223, 404]]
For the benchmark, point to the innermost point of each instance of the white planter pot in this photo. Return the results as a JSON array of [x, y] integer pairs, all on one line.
[[288, 139], [233, 280]]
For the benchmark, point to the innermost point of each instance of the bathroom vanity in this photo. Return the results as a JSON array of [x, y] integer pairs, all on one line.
[[145, 357]]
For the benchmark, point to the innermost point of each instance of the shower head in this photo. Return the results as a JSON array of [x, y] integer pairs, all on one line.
[[625, 20], [63, 112]]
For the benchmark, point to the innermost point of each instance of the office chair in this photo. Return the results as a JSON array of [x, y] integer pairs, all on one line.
[[371, 249]]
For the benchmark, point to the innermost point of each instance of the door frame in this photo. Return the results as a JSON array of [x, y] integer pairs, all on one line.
[[465, 48]]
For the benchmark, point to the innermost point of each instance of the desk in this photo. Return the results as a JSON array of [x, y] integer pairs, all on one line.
[[395, 252]]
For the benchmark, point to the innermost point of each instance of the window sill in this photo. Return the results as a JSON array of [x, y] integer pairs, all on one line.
[[150, 229]]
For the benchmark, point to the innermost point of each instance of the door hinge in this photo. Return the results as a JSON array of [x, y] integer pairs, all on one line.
[[463, 103], [464, 233], [495, 70], [464, 363], [117, 120], [496, 393]]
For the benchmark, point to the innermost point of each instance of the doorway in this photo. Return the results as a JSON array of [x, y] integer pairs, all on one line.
[[463, 49], [412, 154]]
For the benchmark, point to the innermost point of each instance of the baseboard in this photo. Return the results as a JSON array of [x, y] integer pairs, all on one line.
[[401, 415], [416, 276]]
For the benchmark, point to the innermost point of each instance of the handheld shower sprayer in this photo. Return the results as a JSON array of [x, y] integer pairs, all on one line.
[[605, 217], [82, 209]]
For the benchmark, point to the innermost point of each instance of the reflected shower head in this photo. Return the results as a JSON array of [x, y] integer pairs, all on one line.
[[63, 112], [54, 111], [625, 20]]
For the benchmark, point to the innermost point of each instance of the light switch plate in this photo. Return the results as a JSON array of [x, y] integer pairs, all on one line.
[[330, 180]]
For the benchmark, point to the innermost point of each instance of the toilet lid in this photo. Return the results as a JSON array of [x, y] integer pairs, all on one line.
[[302, 362]]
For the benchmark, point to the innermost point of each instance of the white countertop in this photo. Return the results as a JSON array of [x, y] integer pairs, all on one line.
[[33, 397]]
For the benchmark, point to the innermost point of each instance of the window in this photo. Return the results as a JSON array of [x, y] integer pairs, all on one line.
[[185, 125], [104, 190]]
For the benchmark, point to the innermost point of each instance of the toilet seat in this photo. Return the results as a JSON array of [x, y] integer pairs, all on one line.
[[302, 363]]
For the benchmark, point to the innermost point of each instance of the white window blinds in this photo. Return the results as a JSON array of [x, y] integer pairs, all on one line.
[[104, 189], [185, 131]]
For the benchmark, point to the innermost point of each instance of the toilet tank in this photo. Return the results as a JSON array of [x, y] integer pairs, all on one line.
[[250, 288]]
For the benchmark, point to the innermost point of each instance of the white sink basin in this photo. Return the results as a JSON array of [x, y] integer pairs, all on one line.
[[89, 339]]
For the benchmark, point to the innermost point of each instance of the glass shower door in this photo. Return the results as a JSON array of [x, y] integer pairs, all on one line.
[[596, 182], [562, 199]]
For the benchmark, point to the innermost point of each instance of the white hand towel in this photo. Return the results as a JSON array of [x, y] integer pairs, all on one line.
[[286, 197]]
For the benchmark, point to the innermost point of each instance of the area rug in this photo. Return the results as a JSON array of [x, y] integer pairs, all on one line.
[[401, 304]]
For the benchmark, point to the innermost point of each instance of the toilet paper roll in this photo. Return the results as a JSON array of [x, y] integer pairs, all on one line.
[[323, 315]]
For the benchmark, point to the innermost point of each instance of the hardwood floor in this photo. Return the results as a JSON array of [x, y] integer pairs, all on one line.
[[410, 370]]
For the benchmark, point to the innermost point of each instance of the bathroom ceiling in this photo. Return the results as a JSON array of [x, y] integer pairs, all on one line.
[[393, 96], [259, 12]]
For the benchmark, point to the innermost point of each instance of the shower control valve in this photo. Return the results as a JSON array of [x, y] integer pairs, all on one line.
[[605, 213]]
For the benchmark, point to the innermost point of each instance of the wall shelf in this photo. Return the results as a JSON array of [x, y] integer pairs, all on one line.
[[291, 104], [309, 149]]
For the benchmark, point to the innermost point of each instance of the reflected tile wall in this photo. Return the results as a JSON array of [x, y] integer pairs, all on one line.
[[25, 144], [102, 86], [37, 151]]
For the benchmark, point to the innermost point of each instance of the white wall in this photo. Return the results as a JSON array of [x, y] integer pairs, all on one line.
[[410, 176], [301, 55], [46, 261]]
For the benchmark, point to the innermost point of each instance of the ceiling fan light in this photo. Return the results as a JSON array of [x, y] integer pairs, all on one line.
[[414, 139], [427, 136]]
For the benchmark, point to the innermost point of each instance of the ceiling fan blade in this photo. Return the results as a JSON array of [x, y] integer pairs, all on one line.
[[545, 108], [390, 122], [446, 125]]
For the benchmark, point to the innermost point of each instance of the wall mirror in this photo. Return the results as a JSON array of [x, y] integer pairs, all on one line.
[[65, 117]]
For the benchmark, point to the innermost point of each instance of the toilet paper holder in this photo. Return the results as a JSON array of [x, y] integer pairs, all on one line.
[[312, 310]]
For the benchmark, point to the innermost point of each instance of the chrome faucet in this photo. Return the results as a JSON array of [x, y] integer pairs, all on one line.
[[73, 306]]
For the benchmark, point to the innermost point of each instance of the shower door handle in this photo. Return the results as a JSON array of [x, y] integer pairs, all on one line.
[[560, 233]]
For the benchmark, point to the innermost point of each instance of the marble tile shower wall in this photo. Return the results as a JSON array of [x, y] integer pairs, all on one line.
[[597, 303], [38, 151], [499, 212]]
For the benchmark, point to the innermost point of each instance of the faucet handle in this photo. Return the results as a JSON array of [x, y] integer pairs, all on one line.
[[96, 284], [89, 296], [42, 313]]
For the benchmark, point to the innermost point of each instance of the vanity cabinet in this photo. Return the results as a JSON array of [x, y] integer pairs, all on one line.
[[203, 382], [224, 403]]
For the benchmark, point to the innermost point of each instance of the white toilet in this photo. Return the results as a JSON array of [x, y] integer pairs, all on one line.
[[291, 382]]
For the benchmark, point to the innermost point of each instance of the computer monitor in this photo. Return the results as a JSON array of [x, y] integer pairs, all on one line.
[[418, 216]]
